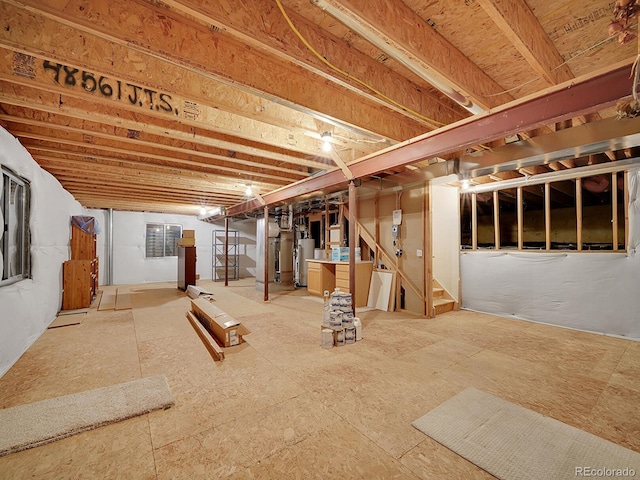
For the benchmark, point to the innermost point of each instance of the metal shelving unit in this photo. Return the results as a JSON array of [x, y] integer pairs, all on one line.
[[233, 251]]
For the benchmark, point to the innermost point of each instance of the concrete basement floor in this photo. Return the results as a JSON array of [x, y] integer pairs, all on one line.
[[279, 406]]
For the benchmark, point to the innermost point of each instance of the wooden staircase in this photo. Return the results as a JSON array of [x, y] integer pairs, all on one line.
[[441, 301]]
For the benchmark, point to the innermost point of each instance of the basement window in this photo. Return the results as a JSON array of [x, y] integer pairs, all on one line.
[[586, 213], [14, 236], [162, 240]]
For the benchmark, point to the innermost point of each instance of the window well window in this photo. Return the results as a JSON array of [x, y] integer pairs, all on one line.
[[14, 235], [162, 240]]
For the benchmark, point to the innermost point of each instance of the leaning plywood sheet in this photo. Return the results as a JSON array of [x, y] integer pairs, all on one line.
[[96, 301], [207, 339], [123, 299], [66, 320], [108, 301], [380, 290], [72, 312]]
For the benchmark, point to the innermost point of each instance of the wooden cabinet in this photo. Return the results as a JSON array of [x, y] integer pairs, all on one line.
[[324, 275], [342, 277], [83, 245], [80, 274], [186, 267], [78, 284], [320, 277]]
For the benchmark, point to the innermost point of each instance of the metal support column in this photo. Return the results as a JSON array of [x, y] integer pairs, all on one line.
[[352, 243], [226, 251], [266, 253]]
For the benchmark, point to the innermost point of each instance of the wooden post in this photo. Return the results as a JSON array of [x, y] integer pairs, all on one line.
[[626, 207], [614, 209], [428, 251], [353, 206], [579, 213], [547, 216], [496, 219], [266, 253], [226, 251], [376, 230], [474, 222], [520, 219], [327, 230]]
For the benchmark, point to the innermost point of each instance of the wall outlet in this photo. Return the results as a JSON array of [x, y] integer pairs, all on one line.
[[419, 253]]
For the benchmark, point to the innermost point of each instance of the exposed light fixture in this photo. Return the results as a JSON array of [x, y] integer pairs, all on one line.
[[212, 214], [203, 211], [326, 141], [249, 191], [465, 184]]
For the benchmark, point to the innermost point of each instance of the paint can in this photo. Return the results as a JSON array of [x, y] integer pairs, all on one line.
[[326, 338], [357, 324], [326, 313], [350, 335], [339, 337], [335, 318]]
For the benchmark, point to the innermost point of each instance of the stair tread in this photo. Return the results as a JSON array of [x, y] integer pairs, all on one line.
[[442, 301]]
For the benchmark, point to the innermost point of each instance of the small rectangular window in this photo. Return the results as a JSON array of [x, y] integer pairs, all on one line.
[[14, 235], [162, 240]]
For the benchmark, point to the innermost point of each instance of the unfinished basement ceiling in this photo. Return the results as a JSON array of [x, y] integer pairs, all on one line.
[[172, 106]]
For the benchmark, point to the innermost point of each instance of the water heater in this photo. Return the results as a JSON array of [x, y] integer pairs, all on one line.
[[304, 251]]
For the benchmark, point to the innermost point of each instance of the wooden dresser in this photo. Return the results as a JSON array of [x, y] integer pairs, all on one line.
[[186, 267], [80, 274]]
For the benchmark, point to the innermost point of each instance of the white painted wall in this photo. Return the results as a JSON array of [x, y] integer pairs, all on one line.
[[596, 292], [445, 228], [130, 265], [29, 306]]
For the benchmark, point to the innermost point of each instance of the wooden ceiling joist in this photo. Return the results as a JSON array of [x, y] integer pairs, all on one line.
[[281, 41], [172, 152], [195, 46], [138, 124], [192, 100], [523, 29], [221, 178], [188, 179], [403, 35]]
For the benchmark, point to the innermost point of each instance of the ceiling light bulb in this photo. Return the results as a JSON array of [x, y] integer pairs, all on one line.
[[326, 144], [248, 191], [203, 211], [465, 184]]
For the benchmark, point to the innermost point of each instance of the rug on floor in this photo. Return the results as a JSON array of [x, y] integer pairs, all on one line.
[[38, 423], [514, 443]]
